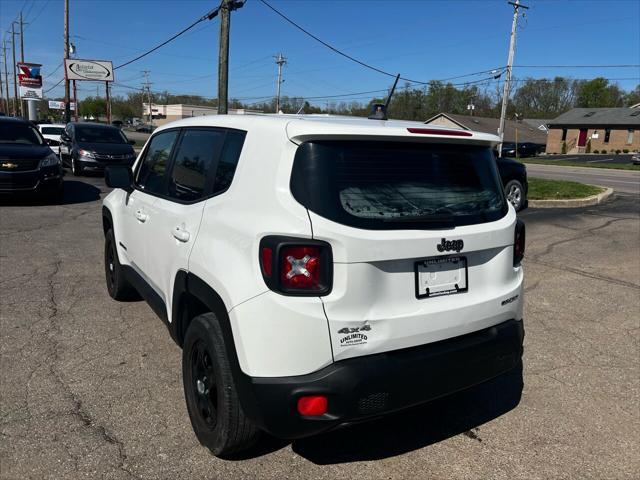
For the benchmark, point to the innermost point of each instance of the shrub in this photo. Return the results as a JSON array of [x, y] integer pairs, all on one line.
[[596, 151], [625, 150], [564, 148], [618, 151]]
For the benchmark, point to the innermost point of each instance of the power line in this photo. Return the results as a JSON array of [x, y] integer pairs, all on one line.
[[578, 66], [208, 16], [49, 89]]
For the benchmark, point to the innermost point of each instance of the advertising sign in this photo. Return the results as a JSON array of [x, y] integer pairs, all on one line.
[[30, 80], [55, 105], [94, 70]]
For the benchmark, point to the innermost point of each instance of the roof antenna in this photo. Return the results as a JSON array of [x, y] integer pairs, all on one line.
[[379, 110]]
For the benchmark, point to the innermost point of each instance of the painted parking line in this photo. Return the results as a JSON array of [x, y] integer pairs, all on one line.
[[600, 160]]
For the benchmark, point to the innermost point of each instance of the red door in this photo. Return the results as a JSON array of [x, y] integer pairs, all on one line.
[[582, 138]]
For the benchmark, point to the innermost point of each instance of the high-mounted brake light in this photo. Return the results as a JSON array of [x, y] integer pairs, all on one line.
[[437, 131], [296, 266], [518, 243]]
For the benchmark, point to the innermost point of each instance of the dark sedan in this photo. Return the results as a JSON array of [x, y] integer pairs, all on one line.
[[525, 149], [91, 147], [27, 164], [514, 181]]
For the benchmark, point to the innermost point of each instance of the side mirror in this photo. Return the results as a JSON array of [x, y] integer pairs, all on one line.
[[47, 141], [132, 142], [64, 137], [118, 176]]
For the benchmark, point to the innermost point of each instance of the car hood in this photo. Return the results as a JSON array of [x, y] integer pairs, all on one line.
[[106, 148], [23, 152]]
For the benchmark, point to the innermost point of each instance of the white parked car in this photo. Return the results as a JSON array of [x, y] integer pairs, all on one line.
[[318, 270], [51, 133]]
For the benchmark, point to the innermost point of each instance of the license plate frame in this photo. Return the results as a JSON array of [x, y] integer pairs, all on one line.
[[434, 265]]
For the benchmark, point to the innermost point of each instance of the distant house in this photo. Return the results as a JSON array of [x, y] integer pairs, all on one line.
[[514, 131], [604, 129], [162, 113]]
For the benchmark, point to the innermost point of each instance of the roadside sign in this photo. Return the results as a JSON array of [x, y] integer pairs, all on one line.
[[93, 70], [55, 105], [30, 80]]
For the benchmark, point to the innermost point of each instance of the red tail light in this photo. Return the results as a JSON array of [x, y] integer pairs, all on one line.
[[296, 266], [518, 243], [313, 406]]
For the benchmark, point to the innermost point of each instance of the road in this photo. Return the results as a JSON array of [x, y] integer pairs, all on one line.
[[624, 181], [623, 158], [91, 388]]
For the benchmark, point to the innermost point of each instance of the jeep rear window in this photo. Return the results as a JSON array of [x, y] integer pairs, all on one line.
[[398, 185]]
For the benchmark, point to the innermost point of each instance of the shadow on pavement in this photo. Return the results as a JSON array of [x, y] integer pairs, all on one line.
[[408, 430], [75, 191]]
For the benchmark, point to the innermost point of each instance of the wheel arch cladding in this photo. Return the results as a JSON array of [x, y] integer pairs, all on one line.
[[193, 297], [107, 220]]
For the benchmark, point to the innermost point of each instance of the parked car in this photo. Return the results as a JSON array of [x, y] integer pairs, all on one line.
[[118, 123], [145, 128], [514, 180], [91, 147], [27, 164], [51, 133], [526, 149], [318, 271]]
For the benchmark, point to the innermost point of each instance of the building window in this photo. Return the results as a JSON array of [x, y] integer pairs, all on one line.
[[629, 137], [564, 134], [607, 134]]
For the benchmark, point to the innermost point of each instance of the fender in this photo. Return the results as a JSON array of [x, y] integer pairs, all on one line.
[[188, 286], [107, 220]]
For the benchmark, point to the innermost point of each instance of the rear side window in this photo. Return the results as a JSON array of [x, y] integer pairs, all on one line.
[[195, 157], [228, 160], [395, 185], [154, 165]]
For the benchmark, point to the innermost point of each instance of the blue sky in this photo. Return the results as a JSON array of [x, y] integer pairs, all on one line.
[[421, 39]]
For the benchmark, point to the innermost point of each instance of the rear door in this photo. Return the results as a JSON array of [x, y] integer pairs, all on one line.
[[177, 212], [421, 236]]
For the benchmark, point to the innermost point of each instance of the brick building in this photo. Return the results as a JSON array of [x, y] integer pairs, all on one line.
[[585, 130]]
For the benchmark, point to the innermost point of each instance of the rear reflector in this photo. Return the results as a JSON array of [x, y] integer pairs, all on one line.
[[436, 131], [519, 243], [312, 406], [266, 259]]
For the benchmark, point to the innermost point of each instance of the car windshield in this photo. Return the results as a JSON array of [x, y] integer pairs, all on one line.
[[85, 134], [52, 130], [19, 133], [392, 185]]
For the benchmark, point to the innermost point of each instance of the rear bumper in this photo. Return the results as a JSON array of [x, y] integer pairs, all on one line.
[[370, 386]]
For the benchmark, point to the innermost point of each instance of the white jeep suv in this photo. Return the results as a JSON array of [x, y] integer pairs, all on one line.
[[318, 270]]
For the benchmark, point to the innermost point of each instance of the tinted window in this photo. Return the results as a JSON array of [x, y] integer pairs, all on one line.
[[389, 185], [194, 159], [228, 160], [90, 134], [152, 169], [19, 133], [52, 130]]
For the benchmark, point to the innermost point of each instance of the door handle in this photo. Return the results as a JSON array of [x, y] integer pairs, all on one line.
[[142, 217], [181, 234]]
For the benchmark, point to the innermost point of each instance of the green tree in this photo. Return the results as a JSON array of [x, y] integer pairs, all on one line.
[[632, 97], [598, 93]]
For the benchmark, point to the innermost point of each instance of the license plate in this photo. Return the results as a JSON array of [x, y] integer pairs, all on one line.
[[440, 276]]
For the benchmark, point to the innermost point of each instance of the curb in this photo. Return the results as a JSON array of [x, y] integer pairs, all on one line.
[[573, 202]]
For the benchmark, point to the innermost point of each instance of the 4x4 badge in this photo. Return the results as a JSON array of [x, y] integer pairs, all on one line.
[[449, 245]]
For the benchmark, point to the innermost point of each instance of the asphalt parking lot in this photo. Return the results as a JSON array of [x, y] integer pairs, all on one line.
[[91, 388], [623, 158]]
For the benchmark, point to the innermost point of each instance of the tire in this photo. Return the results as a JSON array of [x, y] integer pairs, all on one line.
[[212, 400], [75, 168], [515, 194], [117, 286]]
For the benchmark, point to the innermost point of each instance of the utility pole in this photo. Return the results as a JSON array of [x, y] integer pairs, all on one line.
[[21, 39], [6, 74], [507, 81], [4, 109], [67, 107], [15, 78], [226, 7], [147, 87], [280, 61]]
